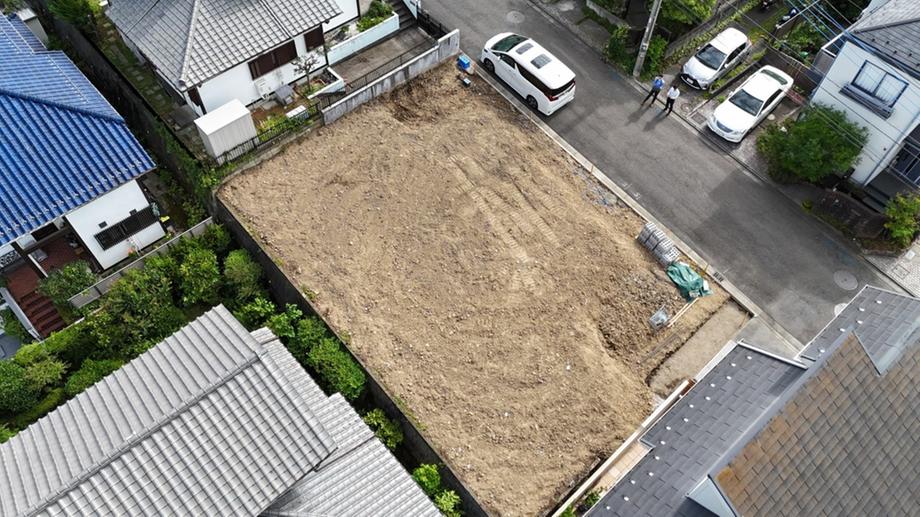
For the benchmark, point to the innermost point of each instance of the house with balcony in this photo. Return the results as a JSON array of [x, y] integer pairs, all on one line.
[[210, 52], [69, 170], [871, 71]]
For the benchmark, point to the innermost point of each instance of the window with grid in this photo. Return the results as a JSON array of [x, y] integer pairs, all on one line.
[[884, 87], [125, 228]]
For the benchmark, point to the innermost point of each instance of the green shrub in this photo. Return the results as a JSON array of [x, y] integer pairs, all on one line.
[[903, 222], [284, 324], [30, 354], [53, 399], [90, 373], [13, 327], [386, 430], [66, 282], [71, 344], [447, 502], [242, 275], [428, 477], [590, 500], [376, 13], [16, 393], [310, 331], [6, 433], [199, 278], [654, 57], [687, 12], [820, 143], [79, 13], [139, 308], [183, 247], [337, 368], [45, 373], [217, 239], [617, 51], [568, 512], [163, 265], [803, 41], [255, 313]]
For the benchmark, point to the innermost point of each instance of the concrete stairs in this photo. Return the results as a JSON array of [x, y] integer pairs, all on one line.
[[42, 313], [406, 19]]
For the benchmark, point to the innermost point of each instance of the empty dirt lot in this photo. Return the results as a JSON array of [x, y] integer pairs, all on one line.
[[483, 277]]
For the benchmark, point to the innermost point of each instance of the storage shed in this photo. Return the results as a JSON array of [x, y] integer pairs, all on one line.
[[225, 128]]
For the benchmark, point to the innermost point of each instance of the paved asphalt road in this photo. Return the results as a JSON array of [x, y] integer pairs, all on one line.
[[781, 258]]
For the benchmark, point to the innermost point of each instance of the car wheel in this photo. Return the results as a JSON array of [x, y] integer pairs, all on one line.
[[487, 64], [532, 102]]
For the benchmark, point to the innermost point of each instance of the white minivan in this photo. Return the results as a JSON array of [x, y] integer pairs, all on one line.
[[530, 70]]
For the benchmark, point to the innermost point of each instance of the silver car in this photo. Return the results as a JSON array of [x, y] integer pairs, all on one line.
[[714, 59]]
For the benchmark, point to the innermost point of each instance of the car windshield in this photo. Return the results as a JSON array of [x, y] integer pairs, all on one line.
[[780, 79], [711, 56], [747, 102], [508, 42]]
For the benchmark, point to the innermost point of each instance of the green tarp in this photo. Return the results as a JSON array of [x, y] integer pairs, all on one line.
[[690, 284]]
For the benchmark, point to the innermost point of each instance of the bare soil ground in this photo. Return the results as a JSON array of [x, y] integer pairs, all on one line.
[[483, 277]]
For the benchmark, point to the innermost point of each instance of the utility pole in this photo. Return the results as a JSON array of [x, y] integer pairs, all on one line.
[[647, 37]]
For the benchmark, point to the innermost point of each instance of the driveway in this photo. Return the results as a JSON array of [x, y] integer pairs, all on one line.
[[786, 262]]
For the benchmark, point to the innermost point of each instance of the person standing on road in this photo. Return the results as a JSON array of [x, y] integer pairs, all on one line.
[[657, 85], [673, 94]]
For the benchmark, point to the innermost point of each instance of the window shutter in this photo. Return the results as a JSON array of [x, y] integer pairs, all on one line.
[[314, 38]]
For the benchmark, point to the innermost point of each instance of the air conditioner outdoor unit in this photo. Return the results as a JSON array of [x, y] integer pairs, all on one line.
[[263, 88]]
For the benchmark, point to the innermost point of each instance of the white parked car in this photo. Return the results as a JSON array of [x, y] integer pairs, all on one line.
[[530, 70], [750, 103], [714, 59]]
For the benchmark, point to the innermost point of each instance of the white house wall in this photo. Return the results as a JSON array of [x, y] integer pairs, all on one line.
[[885, 135], [111, 208], [237, 83], [349, 10]]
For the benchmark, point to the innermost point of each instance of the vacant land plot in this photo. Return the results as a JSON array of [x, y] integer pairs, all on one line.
[[484, 278]]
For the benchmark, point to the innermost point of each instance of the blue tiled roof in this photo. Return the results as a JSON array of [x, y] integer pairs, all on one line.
[[61, 143]]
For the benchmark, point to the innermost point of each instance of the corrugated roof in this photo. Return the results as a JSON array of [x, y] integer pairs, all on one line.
[[61, 143], [191, 41], [695, 432], [893, 28], [212, 421]]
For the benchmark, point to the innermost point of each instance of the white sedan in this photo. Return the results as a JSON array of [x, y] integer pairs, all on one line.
[[716, 58], [750, 103]]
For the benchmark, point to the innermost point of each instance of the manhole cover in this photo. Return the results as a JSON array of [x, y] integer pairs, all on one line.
[[566, 5], [514, 17], [846, 280], [771, 117], [699, 118], [839, 308]]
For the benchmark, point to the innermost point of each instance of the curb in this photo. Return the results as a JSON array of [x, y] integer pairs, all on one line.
[[752, 172], [746, 303]]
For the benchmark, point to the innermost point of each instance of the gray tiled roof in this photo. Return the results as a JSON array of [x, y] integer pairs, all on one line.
[[212, 421], [840, 438], [696, 431], [847, 442], [191, 41], [885, 323], [893, 28]]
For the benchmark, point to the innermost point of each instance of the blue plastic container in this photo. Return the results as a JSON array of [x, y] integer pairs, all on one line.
[[464, 63]]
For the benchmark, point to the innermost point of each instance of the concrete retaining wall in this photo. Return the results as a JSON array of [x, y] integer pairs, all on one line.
[[363, 40], [447, 47], [283, 292]]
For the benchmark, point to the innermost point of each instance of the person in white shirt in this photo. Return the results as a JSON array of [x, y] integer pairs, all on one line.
[[673, 94]]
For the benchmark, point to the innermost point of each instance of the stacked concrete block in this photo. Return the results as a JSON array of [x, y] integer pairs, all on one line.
[[659, 244]]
